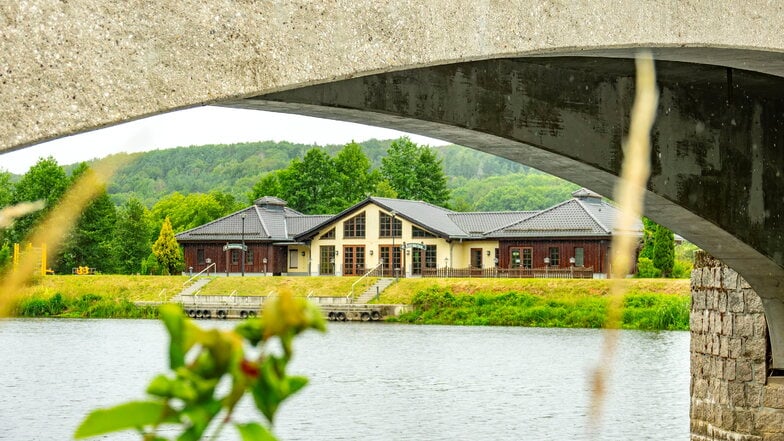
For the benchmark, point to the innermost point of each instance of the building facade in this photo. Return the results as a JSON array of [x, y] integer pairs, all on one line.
[[403, 238]]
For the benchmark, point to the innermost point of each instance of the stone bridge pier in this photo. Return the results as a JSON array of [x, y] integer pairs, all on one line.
[[732, 396]]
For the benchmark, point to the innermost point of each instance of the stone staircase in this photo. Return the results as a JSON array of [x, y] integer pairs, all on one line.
[[191, 289], [373, 290]]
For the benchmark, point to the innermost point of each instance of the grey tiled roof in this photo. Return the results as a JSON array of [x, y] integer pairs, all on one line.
[[266, 223], [431, 217], [302, 223], [479, 223], [578, 217]]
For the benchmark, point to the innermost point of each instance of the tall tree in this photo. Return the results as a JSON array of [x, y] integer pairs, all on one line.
[[132, 233], [167, 251], [6, 189], [46, 181], [664, 250], [356, 178], [185, 212], [311, 184], [267, 185], [415, 172], [89, 243]]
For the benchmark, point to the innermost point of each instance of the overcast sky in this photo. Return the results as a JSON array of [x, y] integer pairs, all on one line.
[[197, 126]]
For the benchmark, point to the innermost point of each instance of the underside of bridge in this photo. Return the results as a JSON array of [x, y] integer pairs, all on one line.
[[718, 166]]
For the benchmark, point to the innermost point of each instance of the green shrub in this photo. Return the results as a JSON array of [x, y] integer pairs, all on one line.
[[646, 270], [682, 269]]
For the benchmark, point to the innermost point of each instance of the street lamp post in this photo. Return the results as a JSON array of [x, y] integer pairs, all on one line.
[[243, 245], [392, 230], [546, 267]]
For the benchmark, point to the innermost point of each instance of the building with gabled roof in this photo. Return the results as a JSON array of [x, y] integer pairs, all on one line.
[[577, 232], [407, 238], [266, 228]]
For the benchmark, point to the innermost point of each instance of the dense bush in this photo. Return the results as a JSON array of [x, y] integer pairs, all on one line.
[[646, 270], [86, 306]]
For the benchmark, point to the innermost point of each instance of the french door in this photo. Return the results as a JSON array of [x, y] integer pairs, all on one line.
[[353, 260]]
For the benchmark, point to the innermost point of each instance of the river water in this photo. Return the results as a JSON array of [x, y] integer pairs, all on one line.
[[369, 381]]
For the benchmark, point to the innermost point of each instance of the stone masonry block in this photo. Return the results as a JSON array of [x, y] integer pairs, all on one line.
[[743, 284], [754, 349], [735, 301], [744, 421], [698, 300], [716, 276], [743, 371], [729, 279], [727, 324], [736, 347], [724, 346], [744, 326], [760, 325], [773, 396], [729, 369], [753, 301], [769, 421], [737, 394], [759, 371], [754, 393], [722, 301], [695, 322], [700, 388]]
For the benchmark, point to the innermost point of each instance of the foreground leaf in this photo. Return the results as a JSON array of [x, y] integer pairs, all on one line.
[[254, 432], [125, 416]]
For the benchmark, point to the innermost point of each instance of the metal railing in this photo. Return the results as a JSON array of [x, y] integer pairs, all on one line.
[[551, 273], [199, 273], [350, 296]]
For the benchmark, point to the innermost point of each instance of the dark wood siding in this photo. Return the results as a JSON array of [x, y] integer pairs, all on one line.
[[275, 255], [595, 251]]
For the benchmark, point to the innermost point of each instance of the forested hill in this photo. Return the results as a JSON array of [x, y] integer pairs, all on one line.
[[234, 169]]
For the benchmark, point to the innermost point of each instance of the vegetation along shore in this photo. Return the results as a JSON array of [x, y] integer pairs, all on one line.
[[649, 304]]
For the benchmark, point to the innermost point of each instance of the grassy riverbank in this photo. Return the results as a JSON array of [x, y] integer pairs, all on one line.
[[99, 296], [648, 304]]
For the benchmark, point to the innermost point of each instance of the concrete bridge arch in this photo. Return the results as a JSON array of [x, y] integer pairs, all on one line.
[[543, 83]]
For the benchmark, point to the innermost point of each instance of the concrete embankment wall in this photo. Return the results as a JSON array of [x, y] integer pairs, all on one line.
[[732, 396]]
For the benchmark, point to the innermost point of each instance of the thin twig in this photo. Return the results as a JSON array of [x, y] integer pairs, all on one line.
[[629, 194]]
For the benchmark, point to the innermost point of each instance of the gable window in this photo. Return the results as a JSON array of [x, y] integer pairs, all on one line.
[[389, 226], [329, 234], [355, 227], [554, 260], [418, 232]]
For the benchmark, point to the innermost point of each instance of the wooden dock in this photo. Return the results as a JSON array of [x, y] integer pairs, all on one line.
[[241, 307]]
